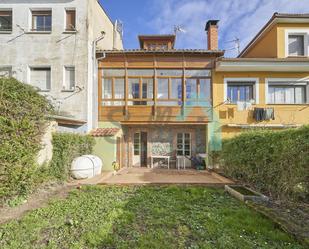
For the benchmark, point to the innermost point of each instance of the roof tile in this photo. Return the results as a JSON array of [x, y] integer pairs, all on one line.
[[104, 132]]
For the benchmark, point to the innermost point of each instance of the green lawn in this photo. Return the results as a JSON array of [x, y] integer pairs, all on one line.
[[145, 217]]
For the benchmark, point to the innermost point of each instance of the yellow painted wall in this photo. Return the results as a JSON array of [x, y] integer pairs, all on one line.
[[228, 114], [272, 44], [281, 27], [266, 47]]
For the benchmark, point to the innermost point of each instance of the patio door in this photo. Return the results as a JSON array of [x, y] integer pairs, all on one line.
[[140, 149]]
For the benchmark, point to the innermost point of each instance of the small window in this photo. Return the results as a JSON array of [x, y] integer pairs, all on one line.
[[198, 73], [107, 89], [183, 144], [6, 72], [69, 83], [6, 21], [70, 20], [140, 89], [163, 88], [140, 72], [176, 88], [40, 78], [113, 72], [113, 91], [169, 72], [296, 45], [136, 144], [288, 93], [191, 88], [240, 91], [41, 20]]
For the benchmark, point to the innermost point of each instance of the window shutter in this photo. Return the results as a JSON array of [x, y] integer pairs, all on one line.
[[41, 78], [71, 16]]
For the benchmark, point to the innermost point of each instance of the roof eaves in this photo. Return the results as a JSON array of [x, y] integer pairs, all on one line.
[[171, 51], [268, 24]]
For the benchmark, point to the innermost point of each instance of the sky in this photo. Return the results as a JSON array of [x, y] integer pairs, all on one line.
[[240, 19]]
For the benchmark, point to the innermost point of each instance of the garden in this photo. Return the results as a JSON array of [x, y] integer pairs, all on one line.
[[145, 217], [274, 163]]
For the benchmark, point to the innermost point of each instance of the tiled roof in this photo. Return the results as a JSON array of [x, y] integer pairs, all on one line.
[[202, 51], [289, 15], [104, 132]]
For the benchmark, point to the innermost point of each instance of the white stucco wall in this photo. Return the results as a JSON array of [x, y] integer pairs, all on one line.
[[57, 49]]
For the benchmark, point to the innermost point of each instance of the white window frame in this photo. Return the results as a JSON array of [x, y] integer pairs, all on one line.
[[286, 80], [29, 76], [256, 91], [8, 31], [183, 140], [30, 20], [304, 32], [64, 83]]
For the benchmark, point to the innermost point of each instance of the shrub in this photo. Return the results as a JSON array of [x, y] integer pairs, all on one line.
[[274, 162], [67, 146], [22, 122]]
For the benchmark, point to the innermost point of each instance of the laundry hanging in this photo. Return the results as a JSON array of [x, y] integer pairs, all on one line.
[[244, 105], [263, 114]]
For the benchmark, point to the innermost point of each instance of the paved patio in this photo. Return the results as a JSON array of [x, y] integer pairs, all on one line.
[[129, 176]]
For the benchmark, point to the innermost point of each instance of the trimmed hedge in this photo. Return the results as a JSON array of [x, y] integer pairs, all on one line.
[[274, 162], [67, 146], [22, 123]]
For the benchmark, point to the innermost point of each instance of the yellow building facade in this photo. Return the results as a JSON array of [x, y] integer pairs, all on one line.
[[268, 84]]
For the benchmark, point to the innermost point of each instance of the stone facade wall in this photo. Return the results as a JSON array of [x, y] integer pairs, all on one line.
[[162, 140]]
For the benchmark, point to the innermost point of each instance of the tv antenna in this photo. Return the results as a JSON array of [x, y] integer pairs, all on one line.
[[179, 29], [236, 41]]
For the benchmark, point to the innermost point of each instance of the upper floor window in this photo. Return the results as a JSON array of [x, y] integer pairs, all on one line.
[[70, 20], [169, 87], [6, 21], [296, 45], [287, 92], [113, 87], [40, 77], [41, 20], [166, 87], [157, 46], [241, 90]]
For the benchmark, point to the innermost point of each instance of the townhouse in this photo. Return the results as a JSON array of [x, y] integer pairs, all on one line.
[[51, 45], [155, 102], [160, 105], [267, 86]]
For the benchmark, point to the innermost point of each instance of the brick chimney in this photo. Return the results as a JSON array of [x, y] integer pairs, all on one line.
[[212, 34]]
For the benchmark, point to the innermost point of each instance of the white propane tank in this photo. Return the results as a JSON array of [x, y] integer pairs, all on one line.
[[86, 166]]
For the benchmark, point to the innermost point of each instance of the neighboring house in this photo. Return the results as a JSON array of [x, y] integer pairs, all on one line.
[[155, 102], [51, 45], [271, 73]]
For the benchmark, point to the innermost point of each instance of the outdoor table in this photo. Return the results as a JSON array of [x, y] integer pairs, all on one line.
[[161, 157]]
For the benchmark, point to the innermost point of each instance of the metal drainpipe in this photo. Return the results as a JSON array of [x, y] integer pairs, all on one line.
[[94, 77]]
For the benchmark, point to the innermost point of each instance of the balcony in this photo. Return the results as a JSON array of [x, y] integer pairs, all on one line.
[[155, 96]]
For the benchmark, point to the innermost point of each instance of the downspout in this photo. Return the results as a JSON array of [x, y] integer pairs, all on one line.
[[91, 88]]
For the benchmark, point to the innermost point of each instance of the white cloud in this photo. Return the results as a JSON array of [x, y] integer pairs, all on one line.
[[238, 18]]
